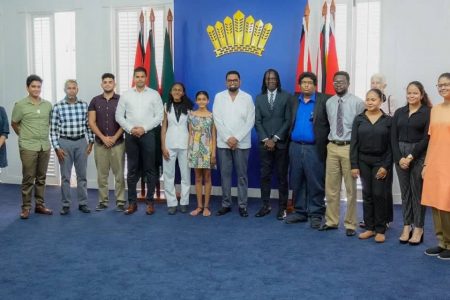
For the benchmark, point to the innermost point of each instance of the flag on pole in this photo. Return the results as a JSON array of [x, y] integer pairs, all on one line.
[[140, 54], [304, 59], [332, 59], [149, 61], [321, 71], [167, 79]]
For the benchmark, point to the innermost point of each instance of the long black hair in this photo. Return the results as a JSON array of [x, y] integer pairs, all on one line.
[[425, 99], [185, 103]]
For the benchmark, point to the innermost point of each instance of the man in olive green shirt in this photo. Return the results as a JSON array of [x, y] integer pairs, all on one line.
[[31, 122]]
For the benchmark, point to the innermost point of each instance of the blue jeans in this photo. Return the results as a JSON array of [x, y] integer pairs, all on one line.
[[307, 180]]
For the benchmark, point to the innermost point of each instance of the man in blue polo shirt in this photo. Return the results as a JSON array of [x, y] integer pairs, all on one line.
[[307, 152]]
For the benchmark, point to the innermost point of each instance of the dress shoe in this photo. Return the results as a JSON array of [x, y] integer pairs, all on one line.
[[263, 211], [366, 235], [183, 209], [315, 222], [25, 214], [131, 209], [350, 232], [414, 240], [281, 214], [224, 210], [380, 238], [150, 209], [325, 227], [406, 234], [64, 210], [101, 207], [84, 208], [434, 251], [243, 212], [295, 218], [445, 255], [120, 208], [40, 209], [362, 224], [172, 210]]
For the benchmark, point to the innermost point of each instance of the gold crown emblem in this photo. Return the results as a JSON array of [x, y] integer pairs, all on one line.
[[239, 34]]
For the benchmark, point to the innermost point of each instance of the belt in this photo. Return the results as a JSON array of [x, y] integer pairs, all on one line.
[[72, 138], [340, 143], [304, 143]]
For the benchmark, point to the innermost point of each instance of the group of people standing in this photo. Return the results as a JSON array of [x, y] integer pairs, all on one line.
[[315, 140]]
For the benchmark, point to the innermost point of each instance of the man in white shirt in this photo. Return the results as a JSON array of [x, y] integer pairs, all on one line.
[[139, 111], [234, 117]]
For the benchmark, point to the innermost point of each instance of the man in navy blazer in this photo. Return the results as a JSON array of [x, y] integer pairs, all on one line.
[[272, 122], [307, 152]]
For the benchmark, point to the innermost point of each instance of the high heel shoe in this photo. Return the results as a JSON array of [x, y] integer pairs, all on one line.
[[419, 242], [409, 237]]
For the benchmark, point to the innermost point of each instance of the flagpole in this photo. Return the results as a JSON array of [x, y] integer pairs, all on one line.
[[169, 27]]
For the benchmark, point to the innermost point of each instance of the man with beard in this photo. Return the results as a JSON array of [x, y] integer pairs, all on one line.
[[109, 148], [342, 109], [234, 116], [139, 112], [273, 118]]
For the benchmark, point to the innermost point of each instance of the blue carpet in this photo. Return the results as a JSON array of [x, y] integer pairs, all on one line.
[[107, 255]]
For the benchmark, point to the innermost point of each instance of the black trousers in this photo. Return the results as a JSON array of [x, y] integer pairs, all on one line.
[[269, 159], [411, 182], [141, 156], [374, 193]]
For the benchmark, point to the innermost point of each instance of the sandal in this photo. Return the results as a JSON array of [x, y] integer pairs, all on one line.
[[206, 212], [196, 211]]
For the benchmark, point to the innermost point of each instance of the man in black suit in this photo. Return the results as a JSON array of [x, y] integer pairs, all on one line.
[[307, 152], [272, 121]]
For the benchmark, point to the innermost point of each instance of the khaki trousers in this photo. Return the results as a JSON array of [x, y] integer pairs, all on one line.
[[338, 166], [34, 173], [110, 159], [441, 221]]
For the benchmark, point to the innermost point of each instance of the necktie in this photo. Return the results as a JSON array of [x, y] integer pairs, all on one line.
[[271, 100], [340, 119]]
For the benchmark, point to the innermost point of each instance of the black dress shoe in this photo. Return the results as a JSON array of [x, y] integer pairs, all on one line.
[[281, 214], [350, 232], [263, 211], [224, 210], [243, 212], [84, 208], [325, 227], [64, 210]]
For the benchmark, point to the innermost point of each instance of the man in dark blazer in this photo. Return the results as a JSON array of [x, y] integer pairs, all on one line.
[[308, 137], [272, 122]]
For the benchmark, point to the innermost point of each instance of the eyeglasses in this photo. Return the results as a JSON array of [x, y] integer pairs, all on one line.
[[307, 83], [232, 80], [443, 85]]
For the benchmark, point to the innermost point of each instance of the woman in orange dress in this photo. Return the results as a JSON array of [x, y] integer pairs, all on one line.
[[436, 171]]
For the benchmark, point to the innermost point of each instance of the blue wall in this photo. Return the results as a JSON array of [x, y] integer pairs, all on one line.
[[197, 66]]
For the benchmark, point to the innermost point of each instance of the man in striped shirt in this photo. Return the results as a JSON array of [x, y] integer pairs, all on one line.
[[68, 130]]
